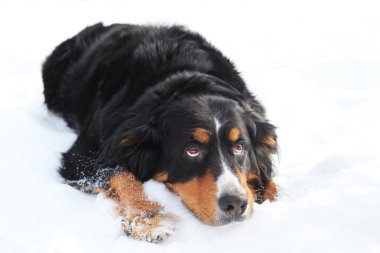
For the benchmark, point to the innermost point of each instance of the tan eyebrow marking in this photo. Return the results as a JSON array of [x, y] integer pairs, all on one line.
[[201, 135], [234, 134]]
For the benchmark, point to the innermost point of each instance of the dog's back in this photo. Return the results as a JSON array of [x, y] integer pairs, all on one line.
[[62, 59], [85, 72]]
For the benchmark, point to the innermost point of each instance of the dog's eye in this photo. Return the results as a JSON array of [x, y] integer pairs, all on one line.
[[193, 151], [238, 149]]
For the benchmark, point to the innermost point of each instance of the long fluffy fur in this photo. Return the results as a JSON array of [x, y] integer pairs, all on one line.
[[113, 83]]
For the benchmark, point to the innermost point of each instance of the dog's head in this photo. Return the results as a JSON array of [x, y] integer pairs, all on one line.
[[204, 141]]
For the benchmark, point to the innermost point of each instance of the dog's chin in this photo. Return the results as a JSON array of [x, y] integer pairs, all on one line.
[[225, 220]]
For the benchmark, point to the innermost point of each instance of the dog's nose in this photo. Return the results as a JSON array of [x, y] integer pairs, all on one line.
[[232, 206]]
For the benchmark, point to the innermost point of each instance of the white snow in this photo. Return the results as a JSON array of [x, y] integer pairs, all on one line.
[[314, 64]]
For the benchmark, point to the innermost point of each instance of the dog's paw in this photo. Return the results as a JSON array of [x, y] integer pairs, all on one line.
[[154, 228]]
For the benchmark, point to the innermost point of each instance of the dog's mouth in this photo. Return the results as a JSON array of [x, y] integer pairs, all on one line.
[[220, 220], [201, 198], [225, 218], [225, 221]]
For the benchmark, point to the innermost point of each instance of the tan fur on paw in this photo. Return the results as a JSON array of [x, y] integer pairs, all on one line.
[[154, 228]]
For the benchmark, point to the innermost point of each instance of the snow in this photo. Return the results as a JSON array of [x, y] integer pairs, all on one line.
[[315, 66]]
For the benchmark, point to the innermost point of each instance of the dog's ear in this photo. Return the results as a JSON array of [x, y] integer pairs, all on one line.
[[264, 145], [135, 144]]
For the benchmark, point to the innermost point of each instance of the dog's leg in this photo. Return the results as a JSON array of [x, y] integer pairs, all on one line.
[[141, 218]]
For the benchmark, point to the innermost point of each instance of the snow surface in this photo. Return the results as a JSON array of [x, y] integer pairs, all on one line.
[[314, 64]]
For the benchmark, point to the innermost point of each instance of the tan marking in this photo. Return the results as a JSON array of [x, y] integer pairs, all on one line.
[[234, 134], [254, 180], [143, 228], [140, 217], [270, 143], [248, 192], [161, 177], [199, 195], [145, 225], [99, 190], [270, 191], [201, 135], [129, 194], [131, 140], [252, 175]]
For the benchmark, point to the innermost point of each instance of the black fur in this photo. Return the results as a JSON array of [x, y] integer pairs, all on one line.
[[134, 93]]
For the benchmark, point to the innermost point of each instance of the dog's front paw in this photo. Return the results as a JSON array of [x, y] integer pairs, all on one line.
[[154, 228]]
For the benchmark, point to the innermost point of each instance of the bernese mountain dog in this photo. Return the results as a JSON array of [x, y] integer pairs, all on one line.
[[161, 103]]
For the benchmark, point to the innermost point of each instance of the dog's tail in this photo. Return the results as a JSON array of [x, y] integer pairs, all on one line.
[[57, 65]]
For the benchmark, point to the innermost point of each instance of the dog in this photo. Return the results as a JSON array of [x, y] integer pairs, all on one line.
[[161, 103]]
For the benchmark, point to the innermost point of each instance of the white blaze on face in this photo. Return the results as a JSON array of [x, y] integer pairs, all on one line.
[[217, 125], [227, 182]]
